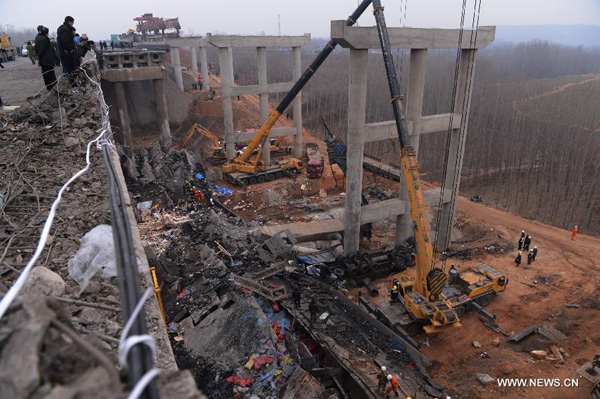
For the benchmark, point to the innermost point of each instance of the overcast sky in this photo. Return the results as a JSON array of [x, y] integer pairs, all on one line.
[[100, 19]]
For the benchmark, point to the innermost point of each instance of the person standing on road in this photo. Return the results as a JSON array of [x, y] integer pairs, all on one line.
[[574, 233], [55, 50], [518, 258], [66, 45], [527, 243], [46, 60], [534, 253], [31, 52]]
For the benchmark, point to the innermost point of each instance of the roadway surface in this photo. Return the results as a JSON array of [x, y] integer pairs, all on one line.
[[19, 80]]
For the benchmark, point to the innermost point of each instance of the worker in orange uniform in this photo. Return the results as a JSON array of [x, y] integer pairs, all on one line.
[[574, 233], [393, 387]]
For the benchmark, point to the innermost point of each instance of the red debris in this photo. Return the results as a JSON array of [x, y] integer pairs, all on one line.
[[259, 362], [241, 382], [276, 307], [182, 294]]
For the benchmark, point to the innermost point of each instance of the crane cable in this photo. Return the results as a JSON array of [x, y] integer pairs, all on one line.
[[464, 114], [449, 131]]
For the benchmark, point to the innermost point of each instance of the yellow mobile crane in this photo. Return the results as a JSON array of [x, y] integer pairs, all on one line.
[[428, 299], [244, 170]]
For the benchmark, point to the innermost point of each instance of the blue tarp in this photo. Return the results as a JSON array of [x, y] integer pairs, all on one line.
[[222, 191]]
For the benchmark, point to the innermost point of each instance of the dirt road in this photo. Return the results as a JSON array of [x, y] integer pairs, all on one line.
[[20, 79]]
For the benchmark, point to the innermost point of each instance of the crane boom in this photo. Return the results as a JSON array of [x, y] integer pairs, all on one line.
[[243, 162], [430, 281]]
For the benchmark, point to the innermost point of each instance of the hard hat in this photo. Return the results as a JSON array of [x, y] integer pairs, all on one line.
[[575, 226], [522, 231], [448, 397], [520, 252], [389, 377], [383, 368]]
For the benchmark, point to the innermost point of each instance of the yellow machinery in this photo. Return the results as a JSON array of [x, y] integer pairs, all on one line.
[[217, 154], [7, 51], [244, 170], [427, 299]]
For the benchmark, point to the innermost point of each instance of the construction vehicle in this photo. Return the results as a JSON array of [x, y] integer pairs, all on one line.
[[7, 50], [243, 169], [217, 153], [428, 301], [315, 163]]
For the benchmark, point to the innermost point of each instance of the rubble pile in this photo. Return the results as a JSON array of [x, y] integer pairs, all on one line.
[[57, 340]]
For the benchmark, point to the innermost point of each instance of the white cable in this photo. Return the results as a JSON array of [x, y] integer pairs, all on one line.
[[18, 285], [126, 343], [142, 383]]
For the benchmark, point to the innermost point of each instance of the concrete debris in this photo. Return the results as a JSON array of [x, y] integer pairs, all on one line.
[[539, 354], [546, 331], [476, 344], [43, 281], [485, 379]]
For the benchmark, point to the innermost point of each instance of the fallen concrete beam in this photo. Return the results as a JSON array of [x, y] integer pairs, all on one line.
[[323, 229], [363, 37], [258, 41]]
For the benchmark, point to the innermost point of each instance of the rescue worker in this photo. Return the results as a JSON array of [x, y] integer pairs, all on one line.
[[313, 309], [518, 258], [574, 233], [382, 379], [534, 254], [527, 243], [296, 296], [394, 386], [521, 241], [394, 291], [530, 256]]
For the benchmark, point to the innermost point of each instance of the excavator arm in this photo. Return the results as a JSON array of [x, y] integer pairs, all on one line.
[[243, 163]]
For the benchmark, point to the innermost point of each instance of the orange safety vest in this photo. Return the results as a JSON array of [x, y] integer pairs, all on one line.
[[394, 382]]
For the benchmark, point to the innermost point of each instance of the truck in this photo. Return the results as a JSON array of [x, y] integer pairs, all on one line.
[[9, 52], [315, 163]]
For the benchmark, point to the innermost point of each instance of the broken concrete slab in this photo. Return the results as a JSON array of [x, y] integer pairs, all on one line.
[[545, 330], [43, 281], [485, 379]]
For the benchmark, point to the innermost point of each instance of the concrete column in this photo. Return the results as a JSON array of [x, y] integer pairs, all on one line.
[[414, 109], [162, 113], [176, 62], [194, 62], [126, 139], [297, 104], [226, 66], [204, 69], [457, 147], [261, 62], [357, 106]]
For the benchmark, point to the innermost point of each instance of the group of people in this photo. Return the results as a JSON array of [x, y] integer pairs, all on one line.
[[120, 44], [524, 244], [67, 50], [313, 308]]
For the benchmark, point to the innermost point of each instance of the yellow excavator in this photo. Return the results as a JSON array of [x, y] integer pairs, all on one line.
[[429, 301], [244, 169], [217, 154]]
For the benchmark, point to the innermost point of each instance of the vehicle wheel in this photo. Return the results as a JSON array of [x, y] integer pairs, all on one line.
[[460, 311], [244, 182], [270, 177], [252, 180], [484, 301], [413, 329], [261, 179], [278, 175], [339, 272]]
